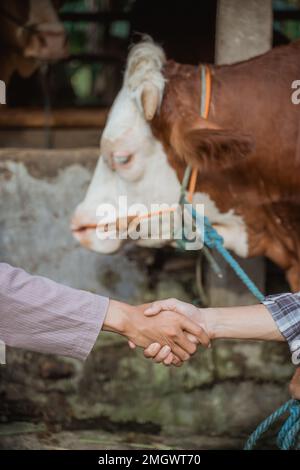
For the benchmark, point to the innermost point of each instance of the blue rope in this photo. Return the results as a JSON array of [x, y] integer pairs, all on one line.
[[213, 240], [203, 91], [287, 436]]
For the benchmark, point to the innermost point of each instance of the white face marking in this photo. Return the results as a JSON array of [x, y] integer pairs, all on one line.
[[147, 178], [229, 225], [157, 183]]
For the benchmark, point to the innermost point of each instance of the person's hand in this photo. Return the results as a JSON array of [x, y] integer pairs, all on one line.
[[169, 329], [155, 351]]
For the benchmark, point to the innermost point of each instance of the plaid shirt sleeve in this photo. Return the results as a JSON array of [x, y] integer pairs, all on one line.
[[285, 310]]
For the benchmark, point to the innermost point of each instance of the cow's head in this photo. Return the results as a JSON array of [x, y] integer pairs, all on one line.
[[153, 131], [32, 29]]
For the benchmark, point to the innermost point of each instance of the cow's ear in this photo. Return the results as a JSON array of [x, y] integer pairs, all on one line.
[[208, 147]]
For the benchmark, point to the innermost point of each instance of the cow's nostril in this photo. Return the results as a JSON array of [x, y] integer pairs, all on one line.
[[82, 228]]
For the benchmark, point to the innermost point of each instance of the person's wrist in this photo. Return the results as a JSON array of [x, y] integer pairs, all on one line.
[[116, 320], [211, 324], [222, 324]]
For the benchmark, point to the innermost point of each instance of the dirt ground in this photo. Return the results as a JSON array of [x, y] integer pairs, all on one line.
[[19, 436]]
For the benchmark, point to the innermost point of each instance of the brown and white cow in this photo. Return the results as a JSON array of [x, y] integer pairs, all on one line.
[[30, 31], [247, 151]]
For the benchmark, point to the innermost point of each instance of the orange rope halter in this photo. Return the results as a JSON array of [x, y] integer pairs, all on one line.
[[206, 95]]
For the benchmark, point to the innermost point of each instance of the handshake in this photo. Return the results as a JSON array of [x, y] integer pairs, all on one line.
[[169, 331]]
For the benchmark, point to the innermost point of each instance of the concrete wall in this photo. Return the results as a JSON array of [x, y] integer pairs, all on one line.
[[214, 401], [38, 193]]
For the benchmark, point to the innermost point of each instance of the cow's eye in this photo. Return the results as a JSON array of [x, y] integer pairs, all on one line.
[[121, 160]]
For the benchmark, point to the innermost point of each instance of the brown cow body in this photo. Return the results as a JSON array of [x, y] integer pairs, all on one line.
[[251, 98], [247, 151]]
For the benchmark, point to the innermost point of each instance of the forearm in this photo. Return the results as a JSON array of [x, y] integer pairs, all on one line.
[[41, 315], [249, 322], [117, 319]]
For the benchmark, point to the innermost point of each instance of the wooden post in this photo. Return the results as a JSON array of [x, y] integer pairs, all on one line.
[[244, 30]]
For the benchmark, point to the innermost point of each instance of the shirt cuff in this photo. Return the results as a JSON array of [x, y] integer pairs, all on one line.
[[91, 327], [285, 310]]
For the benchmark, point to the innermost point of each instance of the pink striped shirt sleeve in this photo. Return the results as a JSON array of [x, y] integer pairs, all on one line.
[[41, 315]]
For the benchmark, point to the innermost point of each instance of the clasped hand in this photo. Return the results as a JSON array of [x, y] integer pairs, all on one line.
[[169, 331]]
